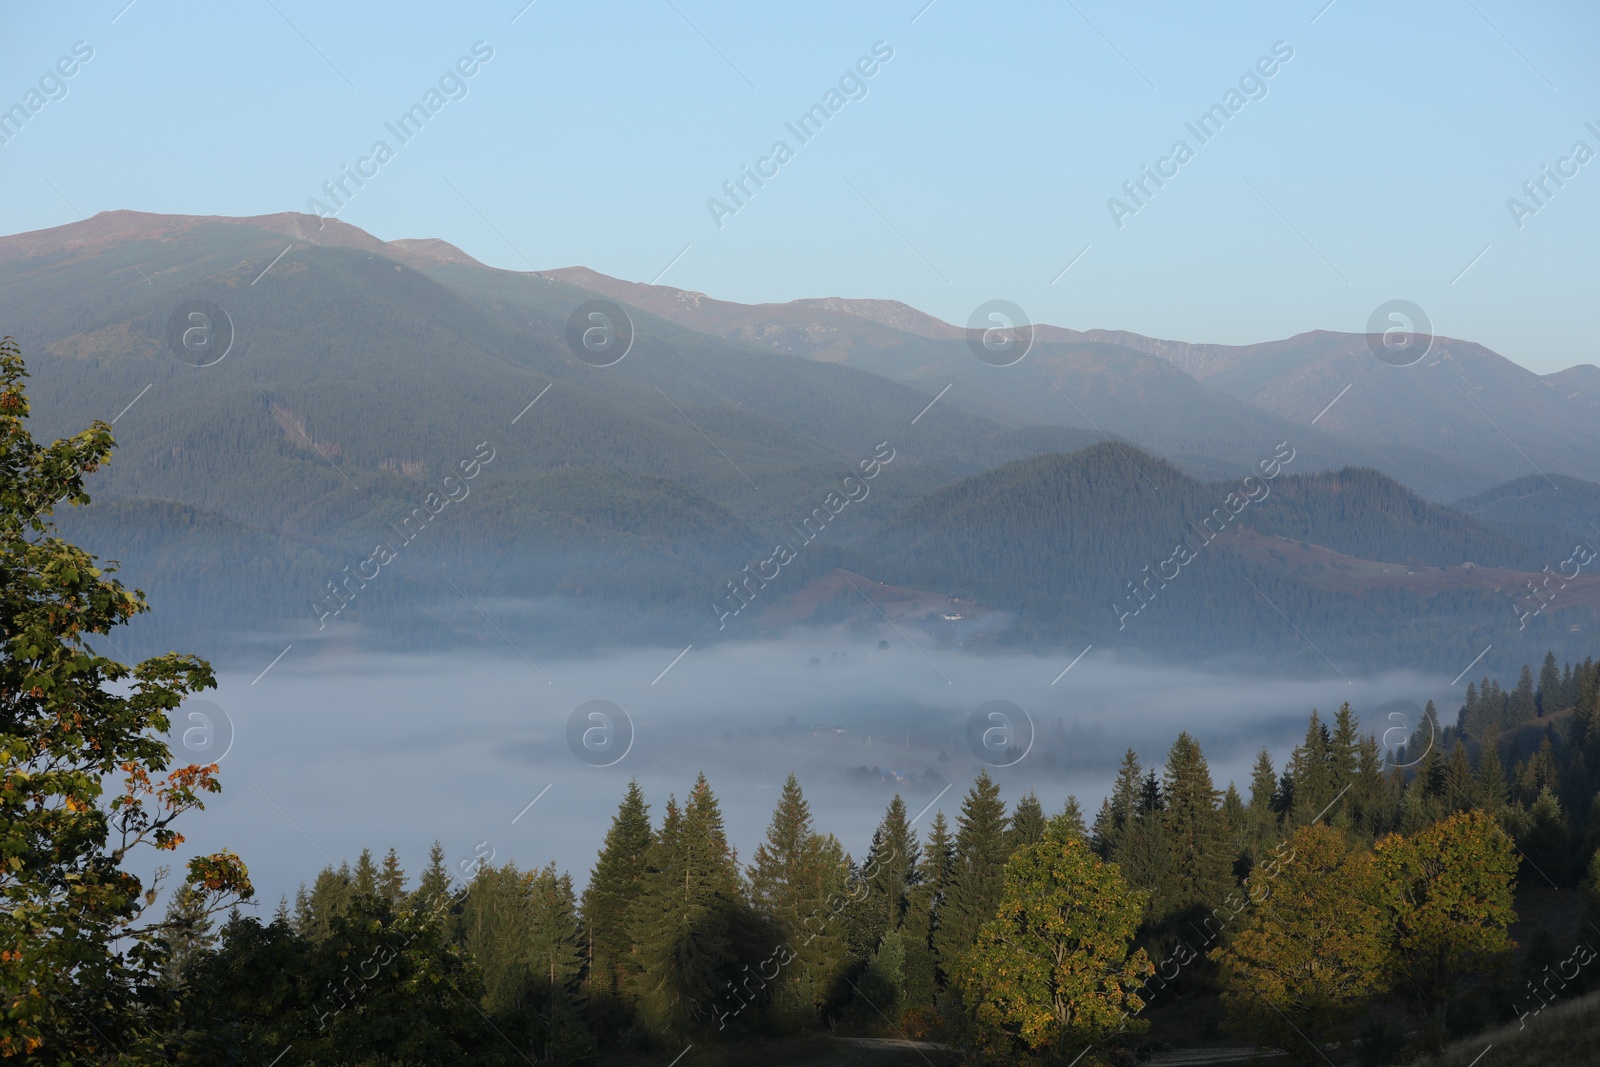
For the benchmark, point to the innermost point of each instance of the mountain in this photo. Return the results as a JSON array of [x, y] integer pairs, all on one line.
[[399, 447], [1085, 548], [1461, 399], [363, 374], [1213, 409], [1551, 515]]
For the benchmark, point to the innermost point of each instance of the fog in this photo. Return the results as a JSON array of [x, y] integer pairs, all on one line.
[[330, 754]]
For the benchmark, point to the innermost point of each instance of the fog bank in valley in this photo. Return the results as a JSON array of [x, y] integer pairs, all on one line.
[[330, 755]]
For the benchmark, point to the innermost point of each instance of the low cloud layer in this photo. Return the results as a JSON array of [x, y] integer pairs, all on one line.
[[330, 755]]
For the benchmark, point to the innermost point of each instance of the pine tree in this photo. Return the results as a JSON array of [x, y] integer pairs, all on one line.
[[1344, 751], [1262, 812], [1492, 790], [187, 935], [331, 898], [1460, 790], [795, 882], [301, 923], [1070, 818], [978, 874], [392, 880], [689, 922], [554, 950], [1194, 831], [1237, 822], [613, 886], [1371, 810], [1548, 698], [1027, 822], [891, 867], [1522, 707], [1145, 859], [433, 888], [1311, 771], [1120, 808], [924, 976], [365, 881]]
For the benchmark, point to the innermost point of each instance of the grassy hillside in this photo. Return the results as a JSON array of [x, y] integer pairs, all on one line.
[[1563, 1035]]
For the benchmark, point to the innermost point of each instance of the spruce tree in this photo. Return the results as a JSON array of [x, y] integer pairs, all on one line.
[[433, 888], [924, 975], [1262, 814], [1311, 771], [1548, 698], [1460, 790], [364, 883], [979, 870], [795, 883], [613, 885], [1237, 822], [554, 936], [1195, 832], [891, 869], [301, 923], [391, 880], [188, 934], [690, 922], [1120, 807], [331, 898], [1027, 822], [1371, 809], [1070, 819], [1492, 791], [1144, 857], [1522, 706]]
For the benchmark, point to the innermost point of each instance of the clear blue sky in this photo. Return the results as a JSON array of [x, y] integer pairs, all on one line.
[[977, 166]]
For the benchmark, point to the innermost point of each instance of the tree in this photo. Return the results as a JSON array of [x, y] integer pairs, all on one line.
[[1119, 808], [978, 875], [1522, 706], [1071, 818], [1194, 831], [434, 886], [1053, 966], [1446, 898], [1551, 694], [392, 880], [690, 924], [331, 897], [795, 884], [1311, 769], [923, 971], [364, 880], [613, 886], [891, 870], [1312, 953], [1492, 790], [76, 957], [391, 988], [1263, 816], [1027, 822]]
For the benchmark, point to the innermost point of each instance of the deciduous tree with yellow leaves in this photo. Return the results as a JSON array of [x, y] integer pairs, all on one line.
[[78, 963], [1052, 968]]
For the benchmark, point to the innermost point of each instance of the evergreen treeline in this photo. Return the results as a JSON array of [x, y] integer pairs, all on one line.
[[1348, 882]]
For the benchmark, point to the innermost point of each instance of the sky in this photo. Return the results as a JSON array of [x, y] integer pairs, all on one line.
[[1376, 162]]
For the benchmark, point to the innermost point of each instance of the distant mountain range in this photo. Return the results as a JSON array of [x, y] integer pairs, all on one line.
[[621, 503]]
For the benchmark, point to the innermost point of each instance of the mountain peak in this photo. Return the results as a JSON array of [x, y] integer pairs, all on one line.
[[123, 225]]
